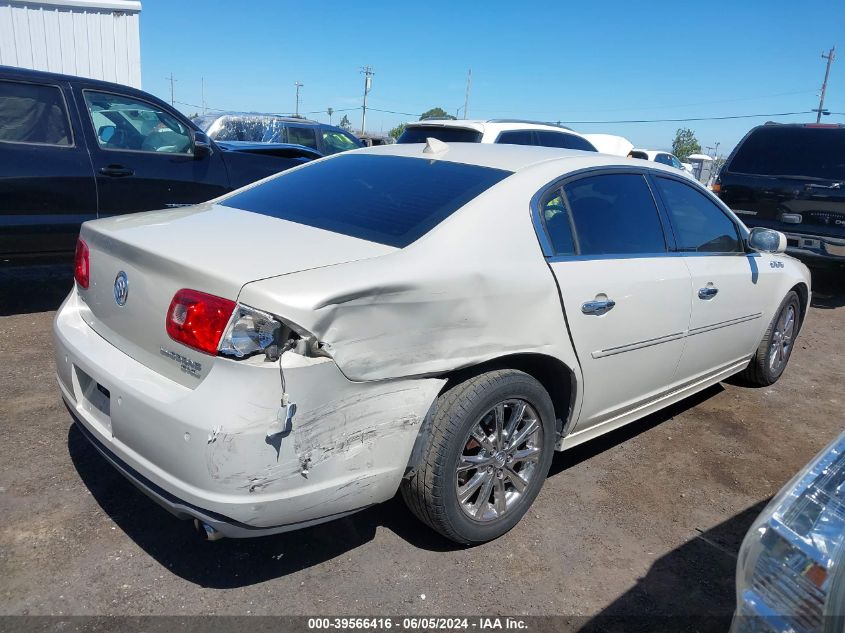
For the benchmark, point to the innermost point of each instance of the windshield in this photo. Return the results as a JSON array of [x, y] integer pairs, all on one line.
[[419, 134], [792, 151], [391, 200], [248, 127]]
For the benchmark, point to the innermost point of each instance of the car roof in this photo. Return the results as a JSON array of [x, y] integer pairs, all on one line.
[[482, 125], [513, 158], [278, 117], [27, 74]]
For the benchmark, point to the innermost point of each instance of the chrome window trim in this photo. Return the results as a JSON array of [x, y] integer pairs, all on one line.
[[72, 143]]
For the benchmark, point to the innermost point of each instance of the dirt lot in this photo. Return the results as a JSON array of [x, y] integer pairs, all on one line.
[[648, 519]]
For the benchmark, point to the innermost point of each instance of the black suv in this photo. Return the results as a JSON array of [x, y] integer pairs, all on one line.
[[791, 177], [74, 149]]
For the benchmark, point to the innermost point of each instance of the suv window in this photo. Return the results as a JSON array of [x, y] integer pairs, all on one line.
[[699, 224], [547, 138], [32, 113], [792, 151], [335, 141], [615, 214], [516, 137], [556, 219], [299, 135], [391, 200], [126, 123], [663, 159], [447, 134]]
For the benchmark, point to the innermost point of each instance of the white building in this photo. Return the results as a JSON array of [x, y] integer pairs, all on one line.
[[90, 38]]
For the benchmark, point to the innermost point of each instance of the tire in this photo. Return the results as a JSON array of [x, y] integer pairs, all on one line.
[[463, 429], [772, 354]]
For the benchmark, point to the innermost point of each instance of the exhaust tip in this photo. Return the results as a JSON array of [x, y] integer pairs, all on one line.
[[207, 532]]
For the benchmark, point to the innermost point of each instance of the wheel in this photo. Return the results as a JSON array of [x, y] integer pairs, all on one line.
[[776, 347], [488, 453]]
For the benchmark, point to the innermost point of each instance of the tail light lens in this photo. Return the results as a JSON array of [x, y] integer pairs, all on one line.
[[198, 319], [82, 264]]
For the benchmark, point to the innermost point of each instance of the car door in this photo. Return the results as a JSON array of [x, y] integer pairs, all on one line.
[[143, 154], [46, 179], [627, 302], [728, 286]]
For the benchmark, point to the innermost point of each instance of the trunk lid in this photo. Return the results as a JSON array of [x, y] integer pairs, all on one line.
[[210, 248]]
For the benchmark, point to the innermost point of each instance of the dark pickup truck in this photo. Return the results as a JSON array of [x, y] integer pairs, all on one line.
[[75, 149], [791, 178]]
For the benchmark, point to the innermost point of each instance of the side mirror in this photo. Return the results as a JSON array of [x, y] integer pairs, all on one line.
[[767, 240], [202, 145], [105, 133]]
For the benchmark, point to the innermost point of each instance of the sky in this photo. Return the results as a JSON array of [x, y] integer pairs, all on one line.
[[588, 65]]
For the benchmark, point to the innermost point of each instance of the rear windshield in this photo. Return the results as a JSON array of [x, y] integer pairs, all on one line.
[[391, 200], [797, 151], [419, 133]]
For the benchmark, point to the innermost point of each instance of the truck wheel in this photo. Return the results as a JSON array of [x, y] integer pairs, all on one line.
[[488, 453], [776, 347]]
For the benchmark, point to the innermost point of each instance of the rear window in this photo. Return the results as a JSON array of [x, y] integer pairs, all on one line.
[[419, 133], [798, 151], [548, 138], [391, 200]]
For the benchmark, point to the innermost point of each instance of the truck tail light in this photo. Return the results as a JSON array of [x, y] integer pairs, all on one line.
[[82, 263], [198, 319]]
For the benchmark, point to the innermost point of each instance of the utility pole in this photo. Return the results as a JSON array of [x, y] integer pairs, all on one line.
[[466, 98], [368, 82], [298, 85], [203, 95], [172, 79], [831, 55]]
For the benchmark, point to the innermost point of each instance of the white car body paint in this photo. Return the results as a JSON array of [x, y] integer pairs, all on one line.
[[394, 322]]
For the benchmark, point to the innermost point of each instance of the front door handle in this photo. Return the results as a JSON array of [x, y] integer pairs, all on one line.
[[597, 306], [707, 293], [117, 171]]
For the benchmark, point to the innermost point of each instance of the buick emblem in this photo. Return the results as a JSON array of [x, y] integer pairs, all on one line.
[[121, 288]]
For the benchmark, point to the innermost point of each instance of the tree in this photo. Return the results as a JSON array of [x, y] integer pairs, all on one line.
[[397, 131], [330, 112], [685, 144], [345, 123], [435, 113]]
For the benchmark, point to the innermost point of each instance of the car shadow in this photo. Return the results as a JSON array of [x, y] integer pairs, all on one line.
[[828, 287], [35, 288], [692, 588], [232, 563]]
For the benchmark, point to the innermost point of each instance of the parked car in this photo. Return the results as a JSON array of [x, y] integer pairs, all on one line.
[[791, 177], [658, 156], [790, 574], [74, 149], [380, 344], [271, 128], [502, 131]]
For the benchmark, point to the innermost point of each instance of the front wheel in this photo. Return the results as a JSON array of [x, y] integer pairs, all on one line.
[[485, 460], [775, 349]]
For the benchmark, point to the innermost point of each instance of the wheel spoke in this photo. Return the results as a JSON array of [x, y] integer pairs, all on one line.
[[517, 411], [499, 414], [484, 496], [527, 431], [499, 497], [530, 454], [481, 437], [465, 491], [516, 479], [468, 462]]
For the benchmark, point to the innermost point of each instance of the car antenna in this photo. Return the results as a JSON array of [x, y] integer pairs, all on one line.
[[433, 146]]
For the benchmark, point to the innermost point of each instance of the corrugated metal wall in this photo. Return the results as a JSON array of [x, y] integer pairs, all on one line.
[[75, 38]]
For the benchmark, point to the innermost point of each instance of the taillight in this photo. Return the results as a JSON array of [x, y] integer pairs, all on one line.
[[198, 319], [716, 187], [81, 263]]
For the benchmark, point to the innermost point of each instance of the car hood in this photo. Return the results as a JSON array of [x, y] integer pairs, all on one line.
[[284, 150]]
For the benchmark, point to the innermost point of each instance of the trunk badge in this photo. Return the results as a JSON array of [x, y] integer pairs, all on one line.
[[121, 288]]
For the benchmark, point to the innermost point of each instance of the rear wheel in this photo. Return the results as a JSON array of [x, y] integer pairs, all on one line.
[[775, 349], [489, 451]]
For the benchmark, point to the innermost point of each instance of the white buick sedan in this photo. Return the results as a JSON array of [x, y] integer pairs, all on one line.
[[436, 319]]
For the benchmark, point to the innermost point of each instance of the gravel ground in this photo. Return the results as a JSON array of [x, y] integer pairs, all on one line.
[[646, 520]]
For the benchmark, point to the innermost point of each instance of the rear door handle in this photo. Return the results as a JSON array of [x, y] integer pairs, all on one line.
[[707, 293], [117, 171], [597, 306]]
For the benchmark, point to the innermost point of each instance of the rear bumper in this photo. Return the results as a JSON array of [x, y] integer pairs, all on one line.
[[815, 246], [204, 452]]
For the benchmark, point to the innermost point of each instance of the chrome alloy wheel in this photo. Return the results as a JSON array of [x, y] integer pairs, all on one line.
[[782, 337], [498, 460]]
